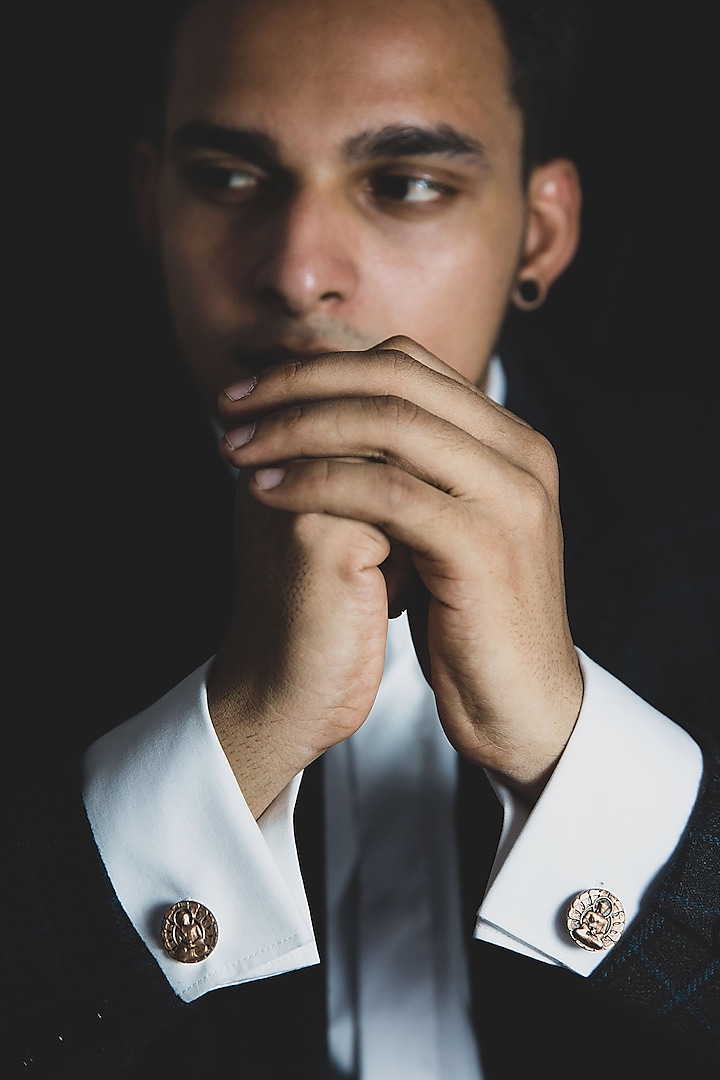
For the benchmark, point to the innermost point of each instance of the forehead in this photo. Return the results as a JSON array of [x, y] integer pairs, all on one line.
[[339, 67]]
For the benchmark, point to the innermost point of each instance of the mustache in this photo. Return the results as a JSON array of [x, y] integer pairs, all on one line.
[[262, 348]]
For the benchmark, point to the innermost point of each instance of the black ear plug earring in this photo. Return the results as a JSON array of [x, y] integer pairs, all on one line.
[[527, 294]]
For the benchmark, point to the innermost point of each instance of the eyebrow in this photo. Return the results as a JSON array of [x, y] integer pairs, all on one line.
[[253, 145], [391, 141], [401, 140]]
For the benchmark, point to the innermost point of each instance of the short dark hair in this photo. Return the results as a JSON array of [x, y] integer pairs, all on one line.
[[542, 38]]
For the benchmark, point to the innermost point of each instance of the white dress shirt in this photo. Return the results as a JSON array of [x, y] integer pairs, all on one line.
[[170, 822]]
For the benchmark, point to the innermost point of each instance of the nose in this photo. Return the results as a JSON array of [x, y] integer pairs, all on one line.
[[307, 261]]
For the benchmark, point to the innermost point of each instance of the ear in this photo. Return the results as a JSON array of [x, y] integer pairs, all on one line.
[[552, 231], [145, 171]]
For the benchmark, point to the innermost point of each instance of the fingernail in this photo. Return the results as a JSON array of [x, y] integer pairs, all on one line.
[[240, 389], [268, 478], [239, 436]]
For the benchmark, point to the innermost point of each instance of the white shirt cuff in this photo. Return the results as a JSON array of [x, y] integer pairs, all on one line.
[[610, 817], [171, 824]]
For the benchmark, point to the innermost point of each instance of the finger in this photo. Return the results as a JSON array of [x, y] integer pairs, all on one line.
[[385, 496], [412, 373], [388, 430], [406, 345], [428, 359], [503, 527]]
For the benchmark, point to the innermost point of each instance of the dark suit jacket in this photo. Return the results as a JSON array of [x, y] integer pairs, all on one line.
[[135, 592]]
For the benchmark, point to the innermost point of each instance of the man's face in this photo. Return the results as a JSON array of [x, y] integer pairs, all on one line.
[[335, 173]]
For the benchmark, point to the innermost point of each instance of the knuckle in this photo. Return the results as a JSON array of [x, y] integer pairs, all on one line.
[[294, 369], [387, 355], [534, 498], [398, 360], [536, 511], [540, 459], [292, 416], [546, 465], [399, 488], [393, 410], [315, 475], [400, 343], [404, 364]]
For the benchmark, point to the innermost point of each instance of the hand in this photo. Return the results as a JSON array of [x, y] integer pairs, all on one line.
[[397, 445], [301, 664]]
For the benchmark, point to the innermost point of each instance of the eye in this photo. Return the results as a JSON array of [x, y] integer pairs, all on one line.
[[221, 180], [238, 181], [408, 189]]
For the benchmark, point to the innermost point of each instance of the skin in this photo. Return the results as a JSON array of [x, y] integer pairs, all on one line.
[[318, 266]]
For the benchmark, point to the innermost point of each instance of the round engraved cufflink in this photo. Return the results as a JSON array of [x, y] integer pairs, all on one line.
[[189, 932], [595, 919]]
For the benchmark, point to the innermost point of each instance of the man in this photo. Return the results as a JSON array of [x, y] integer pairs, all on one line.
[[341, 225]]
